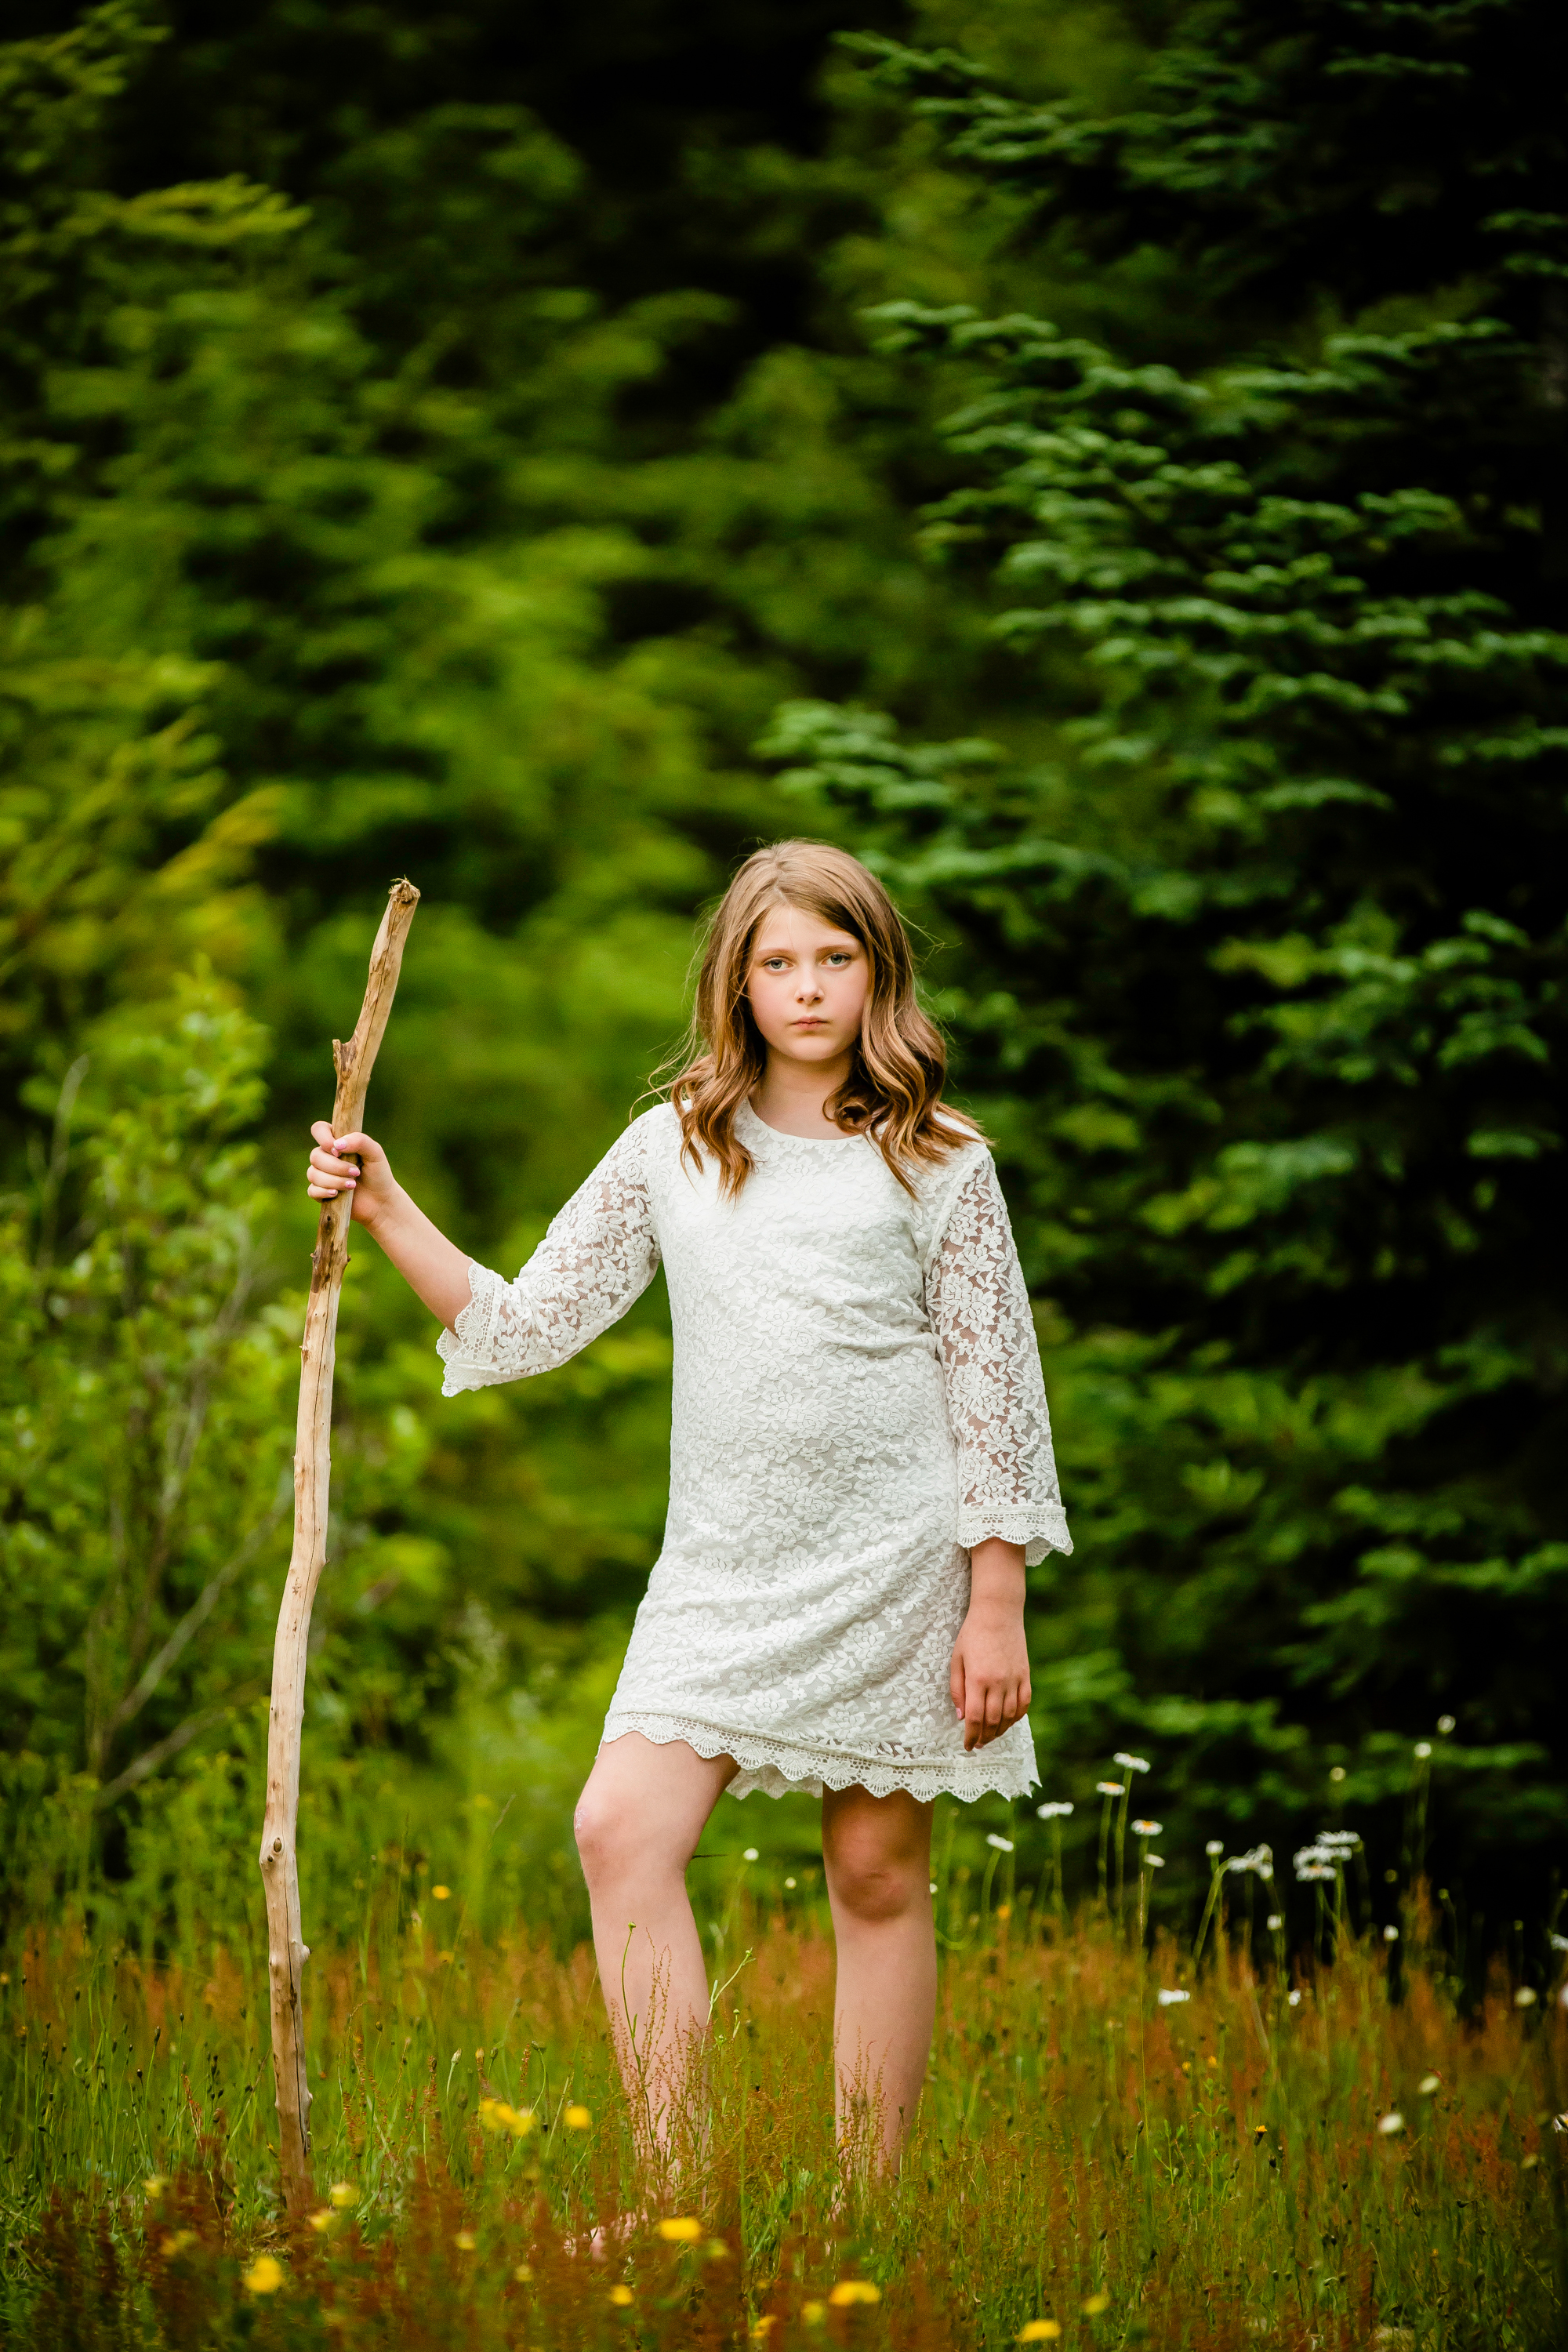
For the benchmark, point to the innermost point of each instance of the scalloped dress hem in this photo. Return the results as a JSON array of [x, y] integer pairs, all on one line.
[[777, 1768]]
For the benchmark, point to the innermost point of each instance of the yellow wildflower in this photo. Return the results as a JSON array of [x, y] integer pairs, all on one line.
[[1037, 2331], [177, 2243], [848, 2290], [465, 2242], [1096, 2304], [322, 2222], [681, 2230], [577, 2118], [442, 1894], [523, 2274], [621, 2296], [343, 2194], [156, 2185], [265, 2276], [495, 2116], [763, 2327], [814, 2314]]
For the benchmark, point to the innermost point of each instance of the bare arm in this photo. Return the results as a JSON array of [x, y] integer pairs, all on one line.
[[436, 1268], [990, 1676]]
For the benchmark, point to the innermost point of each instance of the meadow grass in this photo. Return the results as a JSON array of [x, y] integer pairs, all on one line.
[[1288, 2152]]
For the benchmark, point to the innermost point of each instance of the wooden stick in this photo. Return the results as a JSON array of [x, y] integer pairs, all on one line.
[[287, 1951]]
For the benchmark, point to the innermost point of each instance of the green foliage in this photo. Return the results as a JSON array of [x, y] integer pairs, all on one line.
[[1284, 158], [145, 1425], [347, 537], [422, 451], [1274, 1046]]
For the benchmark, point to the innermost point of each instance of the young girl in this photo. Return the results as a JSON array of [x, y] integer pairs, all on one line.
[[860, 1458]]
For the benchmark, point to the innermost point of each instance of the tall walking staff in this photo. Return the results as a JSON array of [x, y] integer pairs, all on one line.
[[286, 1950]]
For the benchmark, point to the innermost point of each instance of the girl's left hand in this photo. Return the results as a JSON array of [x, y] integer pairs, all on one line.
[[990, 1676]]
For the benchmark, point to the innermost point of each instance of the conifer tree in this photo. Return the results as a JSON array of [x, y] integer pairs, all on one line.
[[1275, 1058]]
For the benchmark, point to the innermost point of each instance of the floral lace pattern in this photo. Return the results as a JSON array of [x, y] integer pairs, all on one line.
[[598, 1256], [857, 1401], [979, 1308]]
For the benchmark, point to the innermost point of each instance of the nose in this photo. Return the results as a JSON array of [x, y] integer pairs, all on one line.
[[807, 988]]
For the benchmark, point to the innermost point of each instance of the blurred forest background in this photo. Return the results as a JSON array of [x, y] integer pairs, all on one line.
[[1106, 464]]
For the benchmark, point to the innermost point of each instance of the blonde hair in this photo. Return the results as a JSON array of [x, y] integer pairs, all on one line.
[[893, 1091]]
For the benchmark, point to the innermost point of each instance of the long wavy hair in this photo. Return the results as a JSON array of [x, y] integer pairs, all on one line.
[[893, 1091]]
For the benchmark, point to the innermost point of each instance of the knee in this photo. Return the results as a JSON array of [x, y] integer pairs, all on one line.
[[872, 1885], [605, 1846], [623, 1845]]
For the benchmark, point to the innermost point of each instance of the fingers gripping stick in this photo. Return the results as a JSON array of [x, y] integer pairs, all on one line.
[[287, 1951]]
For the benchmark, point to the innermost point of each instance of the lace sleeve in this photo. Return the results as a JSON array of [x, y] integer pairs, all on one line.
[[599, 1255], [991, 1370]]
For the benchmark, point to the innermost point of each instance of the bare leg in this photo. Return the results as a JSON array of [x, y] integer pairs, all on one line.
[[877, 1851], [638, 1821]]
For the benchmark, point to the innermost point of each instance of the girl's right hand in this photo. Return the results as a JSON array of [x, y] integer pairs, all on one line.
[[372, 1185]]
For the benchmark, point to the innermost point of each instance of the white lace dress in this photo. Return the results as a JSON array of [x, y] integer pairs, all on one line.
[[857, 1401]]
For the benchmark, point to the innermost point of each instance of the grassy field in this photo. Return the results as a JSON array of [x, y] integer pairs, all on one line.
[[1115, 2148]]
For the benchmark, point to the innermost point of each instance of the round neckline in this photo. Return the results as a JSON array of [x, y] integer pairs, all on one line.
[[782, 1134]]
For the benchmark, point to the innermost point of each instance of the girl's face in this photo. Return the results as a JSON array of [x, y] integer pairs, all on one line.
[[806, 984]]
